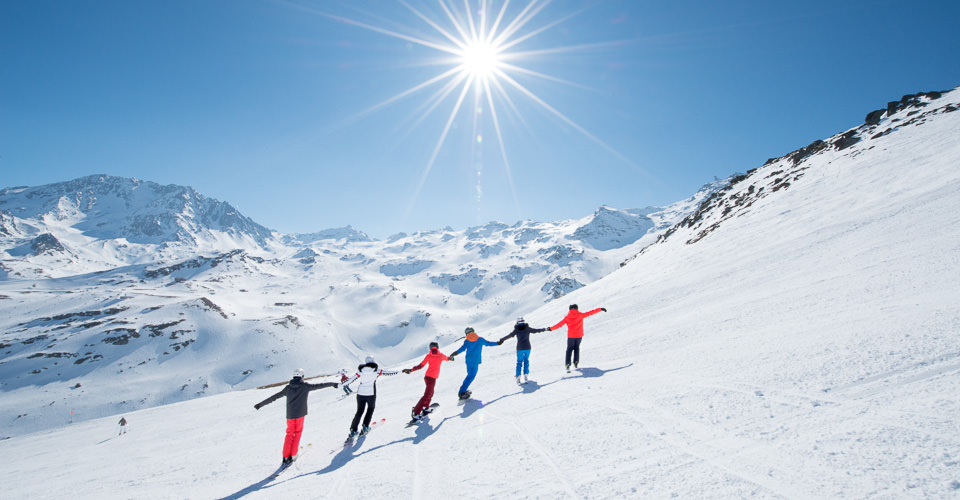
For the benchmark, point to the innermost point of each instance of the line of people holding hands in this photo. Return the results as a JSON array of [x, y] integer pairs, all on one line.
[[297, 389]]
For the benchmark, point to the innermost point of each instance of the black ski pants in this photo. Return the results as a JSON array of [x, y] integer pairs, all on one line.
[[573, 347], [370, 402]]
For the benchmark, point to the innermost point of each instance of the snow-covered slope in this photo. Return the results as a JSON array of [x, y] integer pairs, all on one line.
[[108, 284], [805, 346]]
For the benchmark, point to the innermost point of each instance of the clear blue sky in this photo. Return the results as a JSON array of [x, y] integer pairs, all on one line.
[[283, 108]]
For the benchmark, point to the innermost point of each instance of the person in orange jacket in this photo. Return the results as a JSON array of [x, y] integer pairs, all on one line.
[[432, 361], [574, 322]]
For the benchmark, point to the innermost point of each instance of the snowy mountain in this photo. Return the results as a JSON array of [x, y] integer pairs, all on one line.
[[794, 337], [110, 283], [106, 207]]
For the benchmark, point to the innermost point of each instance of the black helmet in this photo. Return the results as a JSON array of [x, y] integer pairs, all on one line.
[[469, 330], [574, 306], [434, 344]]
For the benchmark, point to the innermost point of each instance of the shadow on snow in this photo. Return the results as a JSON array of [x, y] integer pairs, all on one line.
[[423, 431]]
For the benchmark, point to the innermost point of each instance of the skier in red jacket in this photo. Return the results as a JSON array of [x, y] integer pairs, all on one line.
[[432, 361], [574, 322]]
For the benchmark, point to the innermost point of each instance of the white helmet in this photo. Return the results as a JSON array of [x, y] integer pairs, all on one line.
[[298, 373]]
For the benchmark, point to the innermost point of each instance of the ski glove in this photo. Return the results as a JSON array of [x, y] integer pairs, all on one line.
[[257, 406], [406, 370], [500, 342], [604, 309]]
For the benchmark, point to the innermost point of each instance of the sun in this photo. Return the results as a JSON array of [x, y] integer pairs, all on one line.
[[481, 44], [480, 59]]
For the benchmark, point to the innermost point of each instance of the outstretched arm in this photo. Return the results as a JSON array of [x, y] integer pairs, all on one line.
[[314, 387], [421, 365], [595, 311], [271, 399]]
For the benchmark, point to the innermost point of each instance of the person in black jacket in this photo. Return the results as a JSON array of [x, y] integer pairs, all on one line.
[[522, 331], [296, 392]]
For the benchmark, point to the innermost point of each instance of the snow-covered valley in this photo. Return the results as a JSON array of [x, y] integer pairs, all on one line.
[[790, 333]]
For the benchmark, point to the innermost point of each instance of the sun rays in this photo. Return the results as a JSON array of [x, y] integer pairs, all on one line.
[[480, 46]]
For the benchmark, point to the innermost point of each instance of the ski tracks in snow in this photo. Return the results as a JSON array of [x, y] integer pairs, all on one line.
[[541, 450], [704, 443]]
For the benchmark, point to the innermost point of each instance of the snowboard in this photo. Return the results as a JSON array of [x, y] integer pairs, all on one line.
[[426, 413]]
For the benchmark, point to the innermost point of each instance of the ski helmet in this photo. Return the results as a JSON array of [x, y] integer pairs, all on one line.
[[369, 359], [469, 330], [574, 306], [520, 320], [298, 373], [434, 344]]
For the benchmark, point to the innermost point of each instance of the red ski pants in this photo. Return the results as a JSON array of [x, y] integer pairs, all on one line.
[[424, 402], [292, 442]]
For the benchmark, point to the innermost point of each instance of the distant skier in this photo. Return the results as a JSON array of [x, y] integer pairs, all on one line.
[[368, 373], [123, 426], [432, 361], [296, 392], [574, 322], [345, 386], [474, 347], [522, 332]]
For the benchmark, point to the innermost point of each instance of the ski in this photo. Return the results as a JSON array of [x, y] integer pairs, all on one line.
[[340, 398], [373, 425], [280, 469]]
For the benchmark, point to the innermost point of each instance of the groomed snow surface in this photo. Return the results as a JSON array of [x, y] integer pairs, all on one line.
[[807, 349]]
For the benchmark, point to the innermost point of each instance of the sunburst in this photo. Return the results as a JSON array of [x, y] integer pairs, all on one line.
[[482, 56]]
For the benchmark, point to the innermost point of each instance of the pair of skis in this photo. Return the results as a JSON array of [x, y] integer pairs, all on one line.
[[352, 439], [285, 466]]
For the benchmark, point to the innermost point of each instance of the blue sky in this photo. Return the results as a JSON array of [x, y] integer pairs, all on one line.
[[284, 108]]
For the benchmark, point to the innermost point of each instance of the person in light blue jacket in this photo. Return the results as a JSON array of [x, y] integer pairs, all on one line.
[[474, 346]]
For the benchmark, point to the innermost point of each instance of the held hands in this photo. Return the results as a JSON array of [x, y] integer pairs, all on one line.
[[500, 342], [604, 309]]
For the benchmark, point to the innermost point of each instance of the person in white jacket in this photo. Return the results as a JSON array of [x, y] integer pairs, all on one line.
[[367, 373]]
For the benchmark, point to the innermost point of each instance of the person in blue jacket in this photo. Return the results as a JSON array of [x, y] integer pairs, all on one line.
[[474, 346]]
